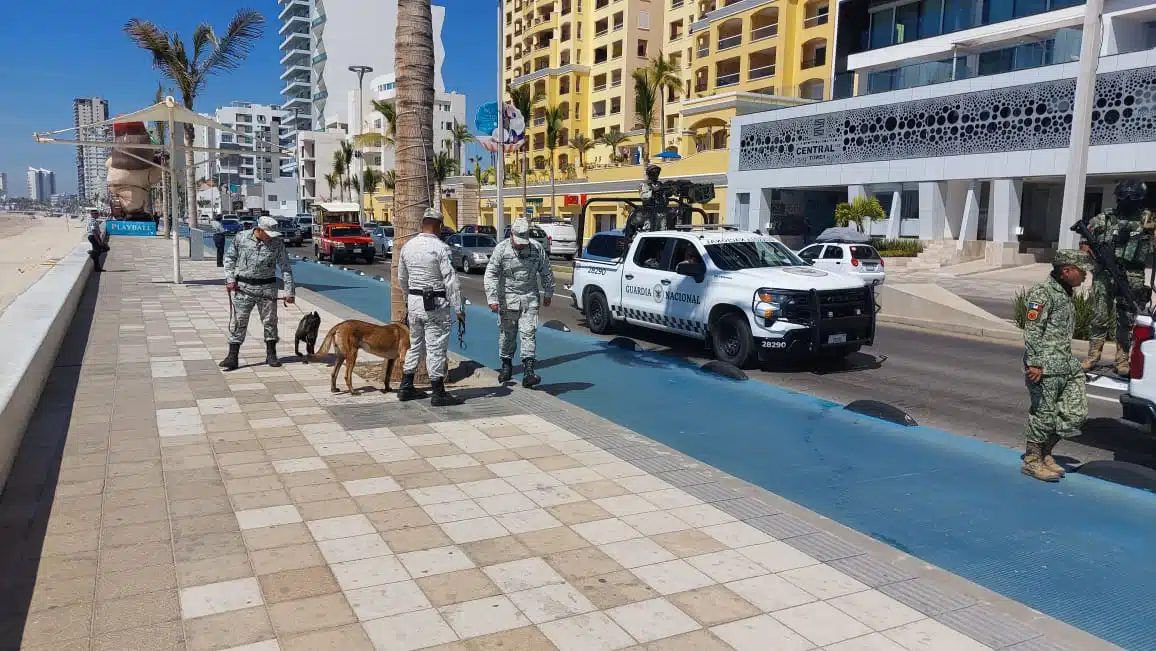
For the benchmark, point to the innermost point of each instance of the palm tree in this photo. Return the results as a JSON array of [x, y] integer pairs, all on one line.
[[414, 62], [389, 180], [333, 180], [339, 172], [555, 119], [210, 54], [667, 76], [346, 152], [460, 135], [581, 144], [476, 162], [444, 166], [613, 139], [524, 98], [365, 140], [645, 101], [162, 139]]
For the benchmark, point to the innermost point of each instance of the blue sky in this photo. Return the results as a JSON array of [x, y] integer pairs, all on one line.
[[52, 51]]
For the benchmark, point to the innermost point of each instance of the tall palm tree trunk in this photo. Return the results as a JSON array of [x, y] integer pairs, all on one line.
[[190, 177], [553, 197], [414, 56]]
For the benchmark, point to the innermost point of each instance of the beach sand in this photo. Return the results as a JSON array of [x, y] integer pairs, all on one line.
[[29, 247]]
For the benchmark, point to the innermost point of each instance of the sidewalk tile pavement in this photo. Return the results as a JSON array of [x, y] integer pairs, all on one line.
[[159, 503]]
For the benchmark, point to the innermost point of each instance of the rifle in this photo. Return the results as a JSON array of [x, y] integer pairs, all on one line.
[[1104, 255]]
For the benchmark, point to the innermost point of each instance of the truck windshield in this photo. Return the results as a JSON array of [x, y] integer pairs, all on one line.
[[751, 254], [352, 231]]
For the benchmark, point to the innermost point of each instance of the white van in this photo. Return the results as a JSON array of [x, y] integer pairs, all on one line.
[[561, 238]]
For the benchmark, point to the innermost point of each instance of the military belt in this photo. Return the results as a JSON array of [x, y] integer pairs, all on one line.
[[440, 293], [256, 281]]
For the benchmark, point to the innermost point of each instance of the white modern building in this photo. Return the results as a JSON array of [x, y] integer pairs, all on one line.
[[3, 185], [448, 108], [315, 156], [259, 128], [91, 172], [957, 115], [41, 184], [321, 39]]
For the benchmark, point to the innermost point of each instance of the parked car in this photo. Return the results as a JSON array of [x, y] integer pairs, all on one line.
[[475, 228], [561, 236], [231, 224], [536, 234], [290, 232], [861, 260], [382, 240], [446, 232], [248, 222], [342, 241], [305, 223], [1139, 401], [470, 251]]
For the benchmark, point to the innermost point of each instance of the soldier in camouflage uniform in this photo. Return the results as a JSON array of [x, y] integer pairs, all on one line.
[[518, 277], [1055, 380], [250, 277], [433, 296], [1128, 229]]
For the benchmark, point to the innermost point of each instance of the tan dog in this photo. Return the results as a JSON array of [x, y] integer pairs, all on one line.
[[389, 341]]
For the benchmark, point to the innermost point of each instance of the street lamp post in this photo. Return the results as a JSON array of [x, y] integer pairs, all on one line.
[[361, 72], [1075, 181]]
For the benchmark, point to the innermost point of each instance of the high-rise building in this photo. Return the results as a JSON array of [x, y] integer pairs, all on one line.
[[321, 39], [3, 185], [259, 128], [41, 184], [91, 173]]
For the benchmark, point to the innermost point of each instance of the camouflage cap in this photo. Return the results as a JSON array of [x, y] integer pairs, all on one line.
[[1073, 257]]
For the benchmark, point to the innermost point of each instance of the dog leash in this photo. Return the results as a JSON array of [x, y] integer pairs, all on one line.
[[259, 297], [462, 332]]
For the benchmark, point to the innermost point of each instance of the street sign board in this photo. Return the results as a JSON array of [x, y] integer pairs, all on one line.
[[138, 229]]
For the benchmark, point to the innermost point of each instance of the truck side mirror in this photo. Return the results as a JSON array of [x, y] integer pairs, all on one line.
[[696, 270]]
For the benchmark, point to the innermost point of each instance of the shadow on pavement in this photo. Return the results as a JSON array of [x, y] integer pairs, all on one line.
[[1125, 441], [474, 393], [463, 371], [559, 388], [29, 494]]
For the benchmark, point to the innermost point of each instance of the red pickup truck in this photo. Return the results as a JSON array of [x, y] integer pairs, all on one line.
[[343, 241]]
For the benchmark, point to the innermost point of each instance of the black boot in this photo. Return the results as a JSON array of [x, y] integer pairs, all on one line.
[[440, 397], [507, 371], [407, 391], [530, 379], [230, 362], [271, 354]]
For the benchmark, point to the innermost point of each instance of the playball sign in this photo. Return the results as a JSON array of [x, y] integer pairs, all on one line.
[[138, 229]]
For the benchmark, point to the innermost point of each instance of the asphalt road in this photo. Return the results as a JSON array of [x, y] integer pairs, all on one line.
[[963, 385]]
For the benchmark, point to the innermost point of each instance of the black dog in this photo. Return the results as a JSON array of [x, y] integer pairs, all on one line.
[[307, 332]]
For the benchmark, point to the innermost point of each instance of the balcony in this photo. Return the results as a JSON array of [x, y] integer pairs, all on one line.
[[318, 58], [295, 41], [296, 101], [730, 42], [676, 4], [295, 84], [764, 32], [599, 88], [730, 79], [815, 21], [762, 72], [703, 51], [295, 57], [296, 24], [295, 72], [320, 96], [294, 7]]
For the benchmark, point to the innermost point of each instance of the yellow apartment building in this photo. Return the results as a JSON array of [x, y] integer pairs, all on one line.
[[734, 57]]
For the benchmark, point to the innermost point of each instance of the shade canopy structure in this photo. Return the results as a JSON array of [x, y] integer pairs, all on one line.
[[170, 112]]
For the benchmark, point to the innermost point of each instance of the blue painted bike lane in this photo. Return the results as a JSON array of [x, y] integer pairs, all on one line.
[[1080, 551]]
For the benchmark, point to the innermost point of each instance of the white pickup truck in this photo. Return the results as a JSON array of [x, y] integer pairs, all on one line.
[[748, 296], [1139, 401]]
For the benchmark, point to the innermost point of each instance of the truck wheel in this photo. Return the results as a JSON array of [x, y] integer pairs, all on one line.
[[731, 339], [317, 254], [369, 259], [598, 318], [466, 269]]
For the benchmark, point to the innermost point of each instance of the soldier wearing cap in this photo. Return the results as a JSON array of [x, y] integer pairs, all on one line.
[[518, 279], [1127, 229], [433, 297], [1054, 377], [251, 280]]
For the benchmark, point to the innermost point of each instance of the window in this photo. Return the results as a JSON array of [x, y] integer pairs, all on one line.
[[615, 105], [606, 246], [641, 48], [676, 30], [599, 109], [454, 239], [650, 252], [811, 252], [751, 254], [616, 50], [598, 133], [684, 251], [618, 21], [833, 253], [272, 197], [644, 20], [616, 78]]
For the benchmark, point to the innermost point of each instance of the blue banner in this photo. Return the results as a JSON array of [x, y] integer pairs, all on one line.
[[486, 119], [141, 229]]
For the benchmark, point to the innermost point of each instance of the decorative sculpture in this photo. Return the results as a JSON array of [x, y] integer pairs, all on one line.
[[129, 177]]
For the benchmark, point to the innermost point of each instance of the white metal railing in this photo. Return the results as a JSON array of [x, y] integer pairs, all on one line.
[[539, 121], [727, 80], [600, 87], [730, 42], [675, 4], [762, 71], [703, 51], [766, 31], [813, 21], [603, 32]]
